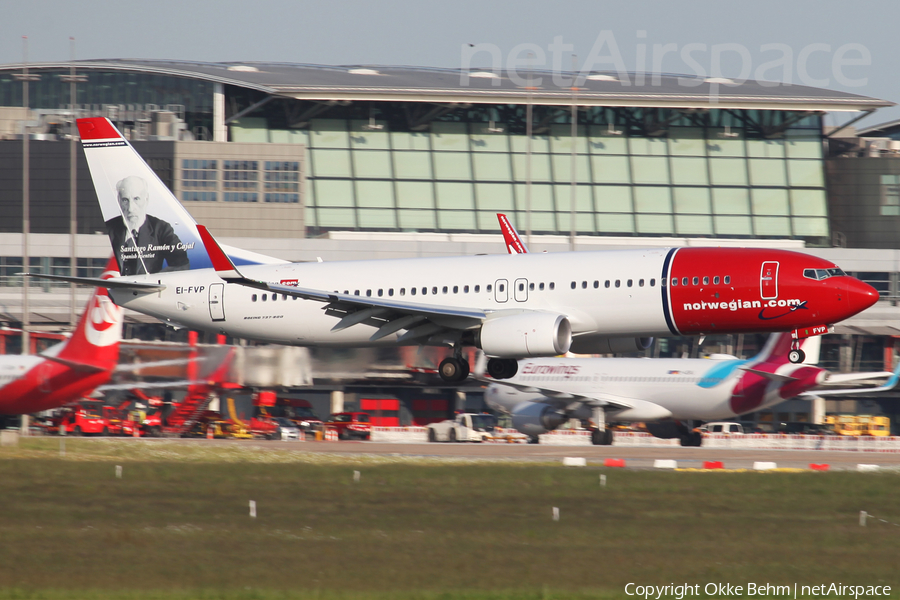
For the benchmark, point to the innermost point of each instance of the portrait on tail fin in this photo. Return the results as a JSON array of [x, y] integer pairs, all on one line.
[[143, 243]]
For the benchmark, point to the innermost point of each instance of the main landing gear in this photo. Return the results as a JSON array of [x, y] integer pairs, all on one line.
[[454, 369], [502, 368]]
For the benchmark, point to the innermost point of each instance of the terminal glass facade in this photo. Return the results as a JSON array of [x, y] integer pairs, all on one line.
[[719, 173]]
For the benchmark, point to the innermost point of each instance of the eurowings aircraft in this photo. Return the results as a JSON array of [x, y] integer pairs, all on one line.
[[66, 371], [526, 305], [662, 392]]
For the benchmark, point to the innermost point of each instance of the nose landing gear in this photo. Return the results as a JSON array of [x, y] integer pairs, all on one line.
[[796, 355]]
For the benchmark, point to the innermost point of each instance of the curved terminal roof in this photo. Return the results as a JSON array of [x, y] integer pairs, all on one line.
[[422, 84]]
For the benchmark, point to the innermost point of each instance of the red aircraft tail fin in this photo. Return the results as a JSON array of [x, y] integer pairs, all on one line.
[[511, 237], [95, 341]]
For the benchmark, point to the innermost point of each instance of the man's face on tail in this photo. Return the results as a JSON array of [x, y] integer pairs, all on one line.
[[133, 199]]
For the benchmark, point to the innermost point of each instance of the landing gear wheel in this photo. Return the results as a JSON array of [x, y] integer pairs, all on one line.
[[601, 438], [796, 356], [502, 368], [431, 436], [692, 439], [451, 437], [77, 431], [453, 370]]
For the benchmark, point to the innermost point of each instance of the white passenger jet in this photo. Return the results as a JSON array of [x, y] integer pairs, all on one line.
[[511, 307], [662, 392]]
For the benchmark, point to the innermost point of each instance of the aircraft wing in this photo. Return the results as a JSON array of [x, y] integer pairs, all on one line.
[[386, 314]]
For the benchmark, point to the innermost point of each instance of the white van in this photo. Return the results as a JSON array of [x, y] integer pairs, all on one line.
[[722, 427]]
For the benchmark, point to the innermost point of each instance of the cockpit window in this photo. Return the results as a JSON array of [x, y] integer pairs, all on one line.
[[820, 274]]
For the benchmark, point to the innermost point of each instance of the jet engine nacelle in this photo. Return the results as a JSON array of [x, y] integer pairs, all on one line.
[[591, 344], [534, 419], [526, 335]]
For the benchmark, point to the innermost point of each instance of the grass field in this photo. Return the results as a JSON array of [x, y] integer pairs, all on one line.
[[177, 525]]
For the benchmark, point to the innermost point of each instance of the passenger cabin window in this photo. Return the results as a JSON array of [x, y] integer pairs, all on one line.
[[573, 285], [596, 284], [531, 287], [368, 292], [444, 289], [412, 291], [630, 283], [716, 280], [264, 296], [424, 291], [455, 289], [356, 292], [391, 292], [465, 289], [489, 287], [541, 287], [584, 285], [253, 298], [402, 291], [695, 281], [552, 285], [618, 283], [706, 280], [684, 281], [606, 283], [640, 283], [434, 290], [727, 279], [477, 288], [674, 281], [380, 293]]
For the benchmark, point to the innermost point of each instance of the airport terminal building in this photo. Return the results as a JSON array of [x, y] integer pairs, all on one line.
[[304, 161]]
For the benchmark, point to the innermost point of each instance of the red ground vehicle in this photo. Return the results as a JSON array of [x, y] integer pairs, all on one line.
[[350, 425], [148, 425], [89, 418], [264, 427]]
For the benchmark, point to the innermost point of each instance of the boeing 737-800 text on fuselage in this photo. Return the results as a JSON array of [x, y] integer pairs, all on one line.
[[525, 305]]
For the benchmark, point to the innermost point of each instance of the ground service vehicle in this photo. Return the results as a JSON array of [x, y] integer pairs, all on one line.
[[859, 425], [287, 429], [466, 427], [350, 425], [85, 420], [723, 427]]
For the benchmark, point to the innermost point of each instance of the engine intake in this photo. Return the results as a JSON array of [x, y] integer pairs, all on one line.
[[534, 419], [525, 335]]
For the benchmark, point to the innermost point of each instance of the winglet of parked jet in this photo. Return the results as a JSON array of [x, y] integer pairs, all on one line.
[[511, 237], [221, 263]]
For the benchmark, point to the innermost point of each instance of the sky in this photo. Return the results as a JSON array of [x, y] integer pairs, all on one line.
[[838, 45]]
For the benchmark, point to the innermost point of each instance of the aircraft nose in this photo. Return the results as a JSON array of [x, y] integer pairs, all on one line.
[[860, 294]]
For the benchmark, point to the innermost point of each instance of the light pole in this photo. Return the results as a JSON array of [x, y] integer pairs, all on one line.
[[72, 79]]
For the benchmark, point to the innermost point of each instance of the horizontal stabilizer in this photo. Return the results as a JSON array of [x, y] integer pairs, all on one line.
[[770, 376], [74, 364], [104, 283]]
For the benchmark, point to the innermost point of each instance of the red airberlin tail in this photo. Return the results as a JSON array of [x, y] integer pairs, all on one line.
[[94, 344]]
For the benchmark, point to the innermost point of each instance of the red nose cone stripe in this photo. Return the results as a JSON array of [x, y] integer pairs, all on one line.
[[97, 128]]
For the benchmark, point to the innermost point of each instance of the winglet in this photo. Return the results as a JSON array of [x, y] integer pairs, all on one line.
[[220, 261], [511, 237]]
